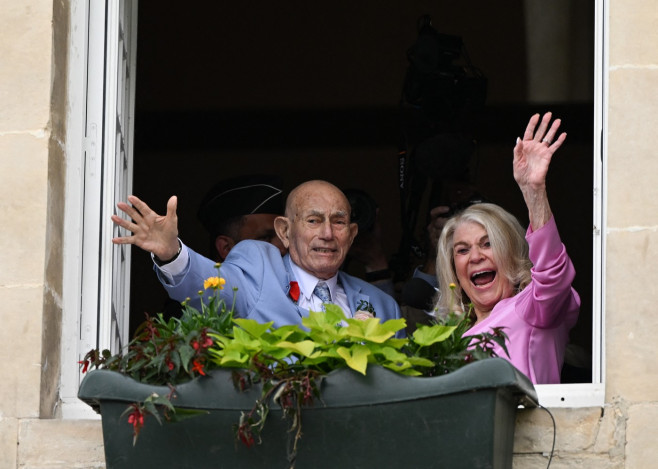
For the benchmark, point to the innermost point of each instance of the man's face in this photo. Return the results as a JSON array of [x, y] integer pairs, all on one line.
[[317, 229], [260, 226]]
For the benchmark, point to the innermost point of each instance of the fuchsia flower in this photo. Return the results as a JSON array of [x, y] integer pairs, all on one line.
[[203, 343], [136, 419], [85, 365], [198, 367], [294, 291], [245, 435]]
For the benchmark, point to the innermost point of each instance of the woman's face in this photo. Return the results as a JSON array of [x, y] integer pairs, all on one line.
[[476, 268]]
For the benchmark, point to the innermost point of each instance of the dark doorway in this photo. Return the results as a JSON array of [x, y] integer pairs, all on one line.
[[312, 90]]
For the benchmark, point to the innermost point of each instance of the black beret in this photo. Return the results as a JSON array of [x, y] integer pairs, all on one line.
[[235, 197]]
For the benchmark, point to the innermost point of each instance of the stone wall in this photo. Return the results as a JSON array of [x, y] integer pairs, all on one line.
[[31, 186], [25, 90]]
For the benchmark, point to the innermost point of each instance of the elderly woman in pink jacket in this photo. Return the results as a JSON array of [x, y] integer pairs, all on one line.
[[516, 279]]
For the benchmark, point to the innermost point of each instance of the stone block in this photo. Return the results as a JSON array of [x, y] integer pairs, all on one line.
[[576, 430], [632, 164], [567, 461], [611, 437], [23, 194], [633, 32], [641, 449], [25, 68], [20, 345], [8, 442], [630, 315], [60, 444]]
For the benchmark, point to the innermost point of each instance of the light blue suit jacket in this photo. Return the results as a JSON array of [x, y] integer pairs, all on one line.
[[263, 278]]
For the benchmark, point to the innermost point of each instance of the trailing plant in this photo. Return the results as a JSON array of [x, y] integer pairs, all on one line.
[[289, 362]]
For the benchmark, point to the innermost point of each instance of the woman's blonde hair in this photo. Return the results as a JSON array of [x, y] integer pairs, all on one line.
[[508, 244]]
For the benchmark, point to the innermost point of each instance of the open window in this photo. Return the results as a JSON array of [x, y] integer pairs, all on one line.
[[99, 174], [307, 90]]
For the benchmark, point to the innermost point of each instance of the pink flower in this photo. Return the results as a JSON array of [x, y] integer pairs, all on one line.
[[363, 315]]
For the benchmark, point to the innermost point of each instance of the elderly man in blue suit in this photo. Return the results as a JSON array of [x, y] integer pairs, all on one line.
[[316, 230]]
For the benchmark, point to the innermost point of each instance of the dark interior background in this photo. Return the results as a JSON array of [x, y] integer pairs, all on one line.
[[312, 90]]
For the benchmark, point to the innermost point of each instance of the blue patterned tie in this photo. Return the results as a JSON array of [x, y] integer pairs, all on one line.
[[322, 291]]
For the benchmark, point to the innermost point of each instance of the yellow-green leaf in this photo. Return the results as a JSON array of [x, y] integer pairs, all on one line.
[[356, 357], [369, 329], [304, 347], [234, 358], [428, 335], [334, 314], [254, 328]]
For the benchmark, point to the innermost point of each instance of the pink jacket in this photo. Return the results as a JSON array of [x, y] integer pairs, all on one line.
[[538, 319]]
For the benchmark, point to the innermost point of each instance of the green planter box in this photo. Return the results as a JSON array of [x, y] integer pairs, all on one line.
[[461, 420]]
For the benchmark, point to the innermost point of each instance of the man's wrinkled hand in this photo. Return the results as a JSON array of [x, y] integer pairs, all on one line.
[[151, 232]]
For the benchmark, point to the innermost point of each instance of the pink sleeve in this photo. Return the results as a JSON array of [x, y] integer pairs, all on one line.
[[552, 273]]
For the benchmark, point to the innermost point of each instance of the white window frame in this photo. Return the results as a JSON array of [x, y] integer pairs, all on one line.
[[593, 394], [82, 301], [98, 173]]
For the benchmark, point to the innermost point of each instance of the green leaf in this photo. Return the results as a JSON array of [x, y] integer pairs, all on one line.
[[406, 371], [234, 359], [420, 361], [159, 400], [290, 332], [392, 355], [186, 353], [369, 329], [254, 328], [305, 347], [245, 339], [355, 357], [151, 409], [428, 335], [334, 313], [184, 414], [318, 321]]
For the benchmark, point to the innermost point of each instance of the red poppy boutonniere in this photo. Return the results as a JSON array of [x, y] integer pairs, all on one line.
[[294, 291]]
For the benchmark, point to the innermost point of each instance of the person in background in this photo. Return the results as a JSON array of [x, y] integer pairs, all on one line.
[[520, 284], [368, 246], [233, 210], [242, 208], [317, 232]]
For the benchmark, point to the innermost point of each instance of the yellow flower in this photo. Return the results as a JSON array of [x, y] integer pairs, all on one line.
[[214, 283], [452, 286]]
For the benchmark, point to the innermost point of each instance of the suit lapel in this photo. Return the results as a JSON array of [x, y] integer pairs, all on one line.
[[353, 291], [286, 287]]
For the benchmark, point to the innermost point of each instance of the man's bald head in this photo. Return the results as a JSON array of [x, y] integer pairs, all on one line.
[[316, 228]]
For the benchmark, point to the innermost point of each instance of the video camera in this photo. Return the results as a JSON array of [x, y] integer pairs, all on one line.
[[443, 94]]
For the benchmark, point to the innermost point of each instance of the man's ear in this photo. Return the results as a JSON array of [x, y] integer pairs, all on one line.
[[224, 244], [282, 228]]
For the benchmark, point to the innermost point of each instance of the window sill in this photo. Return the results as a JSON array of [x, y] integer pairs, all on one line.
[[571, 395]]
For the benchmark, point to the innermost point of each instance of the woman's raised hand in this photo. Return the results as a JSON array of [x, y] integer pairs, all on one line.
[[532, 157], [533, 153]]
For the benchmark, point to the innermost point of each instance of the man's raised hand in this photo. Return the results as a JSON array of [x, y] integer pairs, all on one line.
[[151, 232]]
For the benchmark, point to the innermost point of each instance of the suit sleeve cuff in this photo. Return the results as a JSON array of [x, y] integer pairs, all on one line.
[[176, 267]]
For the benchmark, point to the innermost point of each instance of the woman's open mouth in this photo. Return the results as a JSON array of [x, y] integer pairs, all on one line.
[[480, 279]]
